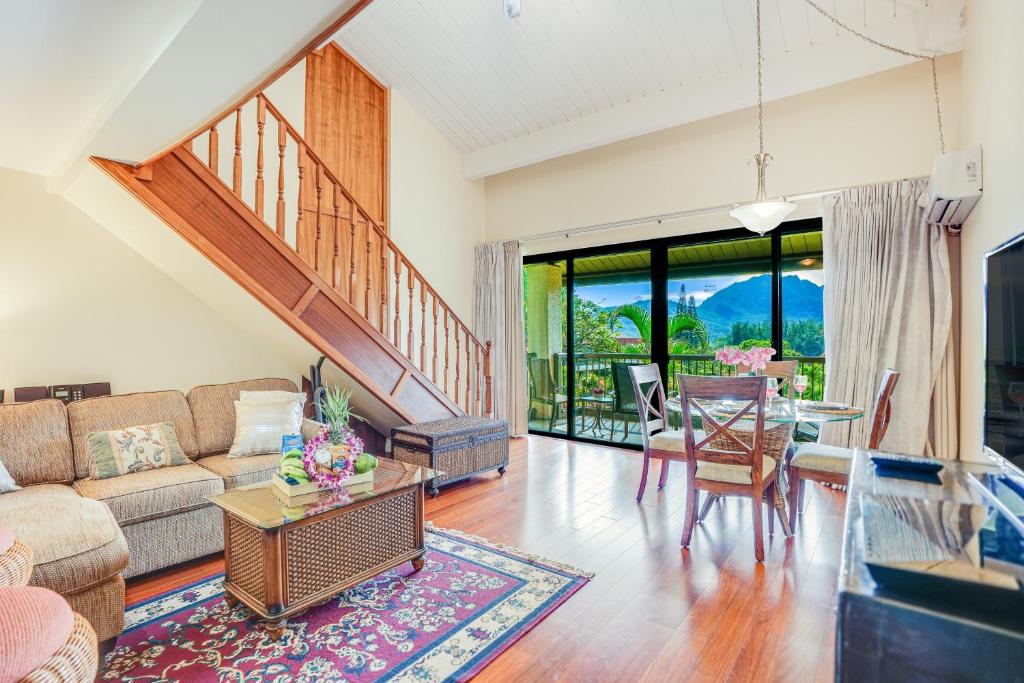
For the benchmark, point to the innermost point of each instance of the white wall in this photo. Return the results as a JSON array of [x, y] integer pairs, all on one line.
[[77, 304], [437, 216], [877, 128], [993, 99]]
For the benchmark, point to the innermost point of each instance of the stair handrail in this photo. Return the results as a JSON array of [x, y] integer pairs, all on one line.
[[476, 399]]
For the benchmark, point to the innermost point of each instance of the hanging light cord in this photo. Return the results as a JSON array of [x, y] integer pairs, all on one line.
[[891, 48], [760, 85]]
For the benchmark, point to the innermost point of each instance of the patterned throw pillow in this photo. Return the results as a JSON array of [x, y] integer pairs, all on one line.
[[133, 449], [6, 480], [260, 426]]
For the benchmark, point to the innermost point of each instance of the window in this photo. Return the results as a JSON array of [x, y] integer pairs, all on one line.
[[673, 302]]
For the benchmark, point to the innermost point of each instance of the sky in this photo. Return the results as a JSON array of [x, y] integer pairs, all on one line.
[[699, 288]]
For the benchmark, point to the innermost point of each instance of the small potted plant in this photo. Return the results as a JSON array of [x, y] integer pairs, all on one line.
[[334, 458]]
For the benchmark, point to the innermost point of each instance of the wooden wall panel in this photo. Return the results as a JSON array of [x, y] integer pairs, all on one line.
[[347, 125]]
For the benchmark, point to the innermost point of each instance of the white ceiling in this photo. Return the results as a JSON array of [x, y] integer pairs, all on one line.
[[62, 63], [568, 75]]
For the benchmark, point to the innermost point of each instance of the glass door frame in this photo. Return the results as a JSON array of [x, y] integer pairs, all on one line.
[[659, 249]]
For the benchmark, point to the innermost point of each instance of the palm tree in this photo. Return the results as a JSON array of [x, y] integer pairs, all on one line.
[[679, 325]]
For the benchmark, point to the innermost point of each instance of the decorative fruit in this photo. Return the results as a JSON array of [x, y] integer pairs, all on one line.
[[365, 463]]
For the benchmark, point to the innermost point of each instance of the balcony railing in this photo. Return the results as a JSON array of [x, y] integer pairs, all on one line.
[[594, 368]]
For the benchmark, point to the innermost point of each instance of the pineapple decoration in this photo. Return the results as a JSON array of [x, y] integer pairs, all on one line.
[[336, 453]]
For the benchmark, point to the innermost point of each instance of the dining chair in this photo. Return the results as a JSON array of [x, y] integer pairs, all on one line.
[[782, 370], [625, 406], [544, 391], [725, 461], [831, 464], [660, 442]]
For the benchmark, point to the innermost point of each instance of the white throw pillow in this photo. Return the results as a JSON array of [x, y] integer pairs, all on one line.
[[7, 481], [260, 426], [270, 396]]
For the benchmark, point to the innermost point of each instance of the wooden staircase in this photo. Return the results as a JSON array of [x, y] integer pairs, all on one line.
[[323, 265]]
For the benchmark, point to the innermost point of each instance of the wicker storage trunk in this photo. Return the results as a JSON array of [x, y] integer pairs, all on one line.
[[459, 446]]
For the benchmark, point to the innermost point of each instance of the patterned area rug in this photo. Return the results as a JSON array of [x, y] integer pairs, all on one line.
[[469, 603]]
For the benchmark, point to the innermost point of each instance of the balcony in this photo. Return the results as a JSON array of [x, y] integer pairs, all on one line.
[[607, 412]]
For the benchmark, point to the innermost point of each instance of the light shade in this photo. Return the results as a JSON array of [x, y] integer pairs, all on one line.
[[760, 217]]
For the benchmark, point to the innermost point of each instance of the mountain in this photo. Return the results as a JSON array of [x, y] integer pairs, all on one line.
[[751, 301]]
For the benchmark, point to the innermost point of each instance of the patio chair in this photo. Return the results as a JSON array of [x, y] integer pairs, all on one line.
[[659, 442], [544, 391], [624, 402], [831, 464], [727, 462]]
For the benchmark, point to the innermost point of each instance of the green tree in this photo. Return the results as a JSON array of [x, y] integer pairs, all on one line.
[[680, 325], [806, 336], [595, 329]]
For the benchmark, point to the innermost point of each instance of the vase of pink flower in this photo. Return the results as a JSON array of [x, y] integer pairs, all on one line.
[[755, 358]]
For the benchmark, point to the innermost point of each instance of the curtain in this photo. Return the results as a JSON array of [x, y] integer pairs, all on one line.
[[498, 317], [888, 303]]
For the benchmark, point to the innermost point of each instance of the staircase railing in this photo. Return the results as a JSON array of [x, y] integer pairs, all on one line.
[[311, 211]]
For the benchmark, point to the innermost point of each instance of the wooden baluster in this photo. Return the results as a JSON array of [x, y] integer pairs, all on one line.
[[352, 252], [423, 325], [261, 121], [319, 212], [383, 283], [369, 286], [282, 142], [236, 170], [398, 323], [488, 381], [457, 357], [446, 345], [213, 153], [412, 338], [433, 375], [478, 399], [469, 371], [335, 271], [301, 163]]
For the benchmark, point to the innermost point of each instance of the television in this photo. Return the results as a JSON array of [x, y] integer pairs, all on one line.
[[1004, 350]]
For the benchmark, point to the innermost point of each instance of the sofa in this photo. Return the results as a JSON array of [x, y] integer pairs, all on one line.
[[88, 535]]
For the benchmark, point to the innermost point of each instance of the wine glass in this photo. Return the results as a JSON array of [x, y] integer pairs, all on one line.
[[800, 385], [772, 389]]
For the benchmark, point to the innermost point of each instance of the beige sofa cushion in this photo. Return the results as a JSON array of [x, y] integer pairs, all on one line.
[[241, 471], [75, 541], [817, 456], [731, 474], [34, 443], [142, 496], [128, 410], [213, 410]]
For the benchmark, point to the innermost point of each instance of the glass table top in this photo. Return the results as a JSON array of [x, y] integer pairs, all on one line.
[[779, 410], [264, 506]]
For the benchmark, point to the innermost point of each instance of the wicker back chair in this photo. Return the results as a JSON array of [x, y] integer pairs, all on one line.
[[831, 464], [725, 461], [624, 403], [543, 389]]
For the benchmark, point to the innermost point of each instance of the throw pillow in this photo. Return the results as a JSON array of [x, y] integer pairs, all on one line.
[[133, 449], [270, 396], [6, 480], [260, 426]]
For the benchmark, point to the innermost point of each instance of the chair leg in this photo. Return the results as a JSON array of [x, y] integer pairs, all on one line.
[[664, 473], [795, 484], [709, 499], [643, 477], [771, 509], [691, 513], [554, 417], [758, 529]]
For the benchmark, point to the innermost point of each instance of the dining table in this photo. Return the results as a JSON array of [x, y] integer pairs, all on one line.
[[781, 416]]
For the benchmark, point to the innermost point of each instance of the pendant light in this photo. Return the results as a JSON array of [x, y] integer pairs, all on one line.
[[762, 214]]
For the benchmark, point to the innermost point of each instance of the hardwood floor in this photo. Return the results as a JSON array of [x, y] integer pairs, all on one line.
[[653, 612]]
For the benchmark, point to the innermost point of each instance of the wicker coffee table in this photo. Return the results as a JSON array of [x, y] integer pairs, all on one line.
[[280, 559]]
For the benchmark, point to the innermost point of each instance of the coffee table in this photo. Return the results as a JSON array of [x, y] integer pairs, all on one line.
[[280, 559]]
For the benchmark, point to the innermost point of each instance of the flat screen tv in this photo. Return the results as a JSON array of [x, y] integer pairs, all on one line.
[[1004, 350]]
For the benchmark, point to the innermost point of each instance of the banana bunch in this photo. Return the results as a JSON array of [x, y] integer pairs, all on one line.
[[291, 468]]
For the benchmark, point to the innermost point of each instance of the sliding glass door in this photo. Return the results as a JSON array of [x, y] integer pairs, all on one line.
[[673, 302]]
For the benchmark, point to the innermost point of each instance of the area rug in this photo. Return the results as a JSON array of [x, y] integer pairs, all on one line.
[[468, 604]]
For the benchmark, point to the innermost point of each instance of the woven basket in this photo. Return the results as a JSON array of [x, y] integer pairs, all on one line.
[[75, 662], [16, 565]]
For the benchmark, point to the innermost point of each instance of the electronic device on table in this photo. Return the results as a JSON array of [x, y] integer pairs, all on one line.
[[66, 393]]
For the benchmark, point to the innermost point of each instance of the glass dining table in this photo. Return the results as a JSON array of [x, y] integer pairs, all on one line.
[[781, 416]]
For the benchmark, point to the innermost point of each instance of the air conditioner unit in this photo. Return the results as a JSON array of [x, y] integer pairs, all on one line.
[[954, 189]]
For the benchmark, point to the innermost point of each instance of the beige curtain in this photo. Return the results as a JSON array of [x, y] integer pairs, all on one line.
[[888, 303], [498, 317]]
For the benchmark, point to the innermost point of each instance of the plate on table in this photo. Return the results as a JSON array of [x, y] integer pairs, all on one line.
[[824, 405]]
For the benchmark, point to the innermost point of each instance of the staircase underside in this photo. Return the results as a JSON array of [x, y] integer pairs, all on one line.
[[198, 206]]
